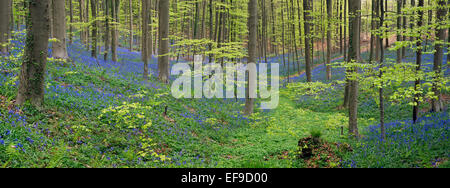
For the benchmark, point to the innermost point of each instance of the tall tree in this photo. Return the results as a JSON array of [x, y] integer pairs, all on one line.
[[59, 48], [107, 29], [145, 34], [32, 75], [329, 16], [441, 15], [372, 34], [81, 19], [399, 27], [381, 90], [71, 22], [131, 25], [114, 32], [163, 50], [5, 19], [418, 61], [252, 50], [448, 36], [353, 55], [308, 38], [94, 28]]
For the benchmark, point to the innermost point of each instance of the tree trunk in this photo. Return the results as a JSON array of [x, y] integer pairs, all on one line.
[[274, 40], [283, 38], [145, 33], [418, 63], [86, 19], [107, 29], [341, 37], [59, 48], [372, 35], [345, 30], [307, 17], [71, 21], [5, 19], [114, 31], [211, 25], [381, 98], [131, 26], [252, 50], [163, 59], [441, 14], [412, 19], [354, 48], [94, 28], [404, 28], [399, 27], [32, 75], [81, 19], [329, 16]]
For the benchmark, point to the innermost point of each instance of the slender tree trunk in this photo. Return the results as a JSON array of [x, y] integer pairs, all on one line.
[[94, 29], [145, 35], [329, 16], [274, 40], [81, 19], [354, 48], [386, 9], [203, 29], [86, 19], [399, 27], [163, 59], [430, 20], [283, 38], [341, 37], [107, 29], [114, 31], [381, 98], [448, 36], [404, 28], [32, 75], [5, 19], [59, 48], [372, 35], [131, 26], [156, 36], [11, 19], [308, 60], [441, 14], [345, 30], [211, 26], [412, 19], [71, 22], [418, 63], [252, 50]]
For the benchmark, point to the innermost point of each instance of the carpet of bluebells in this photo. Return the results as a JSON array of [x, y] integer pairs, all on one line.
[[407, 145], [103, 114], [69, 132]]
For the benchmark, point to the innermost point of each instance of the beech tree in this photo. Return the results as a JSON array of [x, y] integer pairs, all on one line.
[[163, 51], [32, 75], [308, 48], [329, 16], [252, 50], [145, 35], [5, 19], [354, 57], [441, 13], [59, 48]]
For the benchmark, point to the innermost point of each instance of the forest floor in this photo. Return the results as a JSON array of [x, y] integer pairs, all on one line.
[[103, 114]]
